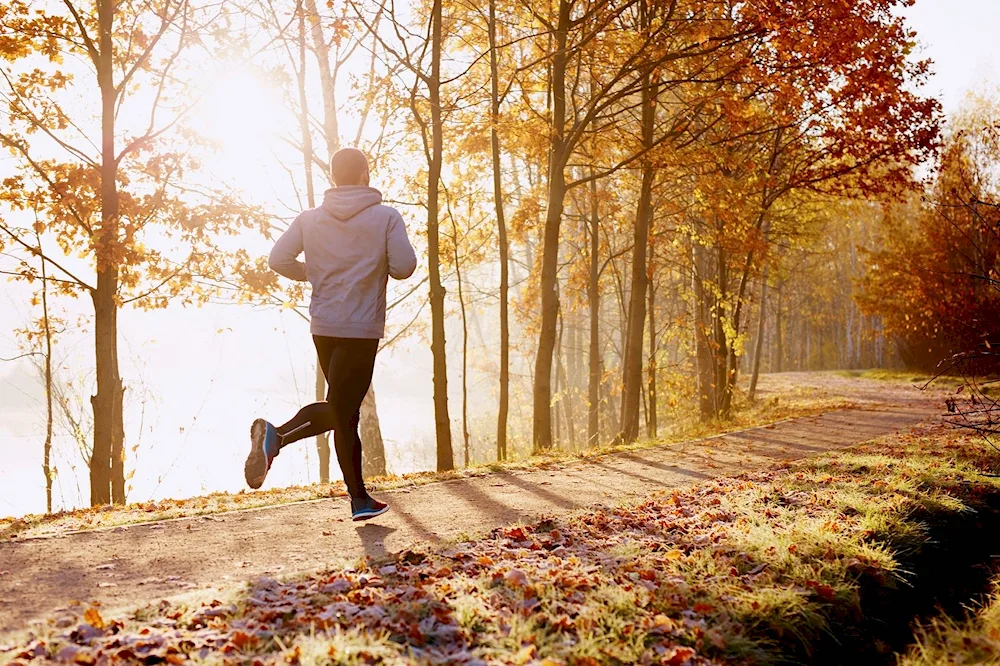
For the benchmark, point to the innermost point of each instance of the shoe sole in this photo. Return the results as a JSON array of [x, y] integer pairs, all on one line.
[[257, 460], [368, 515]]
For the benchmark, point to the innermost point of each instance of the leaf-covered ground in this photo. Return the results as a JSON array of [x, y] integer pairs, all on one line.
[[752, 569]]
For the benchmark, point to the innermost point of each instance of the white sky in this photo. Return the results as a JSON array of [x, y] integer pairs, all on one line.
[[201, 402], [960, 36]]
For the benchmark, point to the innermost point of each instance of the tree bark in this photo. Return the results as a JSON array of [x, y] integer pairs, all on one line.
[[651, 425], [107, 479], [442, 422], [373, 459], [465, 353], [504, 407], [564, 390], [779, 332], [47, 327], [542, 398], [328, 82], [702, 326], [720, 345], [759, 343], [323, 440], [594, 303], [632, 366]]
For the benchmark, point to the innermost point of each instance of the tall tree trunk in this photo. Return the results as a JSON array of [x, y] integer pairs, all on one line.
[[564, 387], [576, 375], [322, 441], [47, 328], [373, 459], [779, 331], [632, 365], [542, 397], [442, 422], [820, 363], [805, 352], [107, 478], [720, 347], [328, 82], [759, 343], [594, 303], [308, 153], [465, 353], [504, 406], [703, 336], [651, 425]]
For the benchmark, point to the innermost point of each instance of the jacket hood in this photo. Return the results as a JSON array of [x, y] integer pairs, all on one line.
[[345, 202]]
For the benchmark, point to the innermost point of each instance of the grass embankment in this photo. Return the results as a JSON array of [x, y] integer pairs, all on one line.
[[791, 403], [757, 569], [947, 642], [986, 384]]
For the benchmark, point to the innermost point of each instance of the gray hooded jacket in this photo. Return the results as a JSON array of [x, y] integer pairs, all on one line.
[[352, 245]]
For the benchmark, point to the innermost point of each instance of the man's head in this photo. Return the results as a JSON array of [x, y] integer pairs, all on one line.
[[349, 166]]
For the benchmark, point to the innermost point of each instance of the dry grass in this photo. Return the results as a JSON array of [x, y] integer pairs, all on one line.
[[948, 642]]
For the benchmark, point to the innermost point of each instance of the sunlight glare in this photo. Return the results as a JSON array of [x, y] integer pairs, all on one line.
[[241, 113]]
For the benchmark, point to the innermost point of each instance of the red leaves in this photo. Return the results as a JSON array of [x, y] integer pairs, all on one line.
[[515, 578], [678, 656], [516, 533], [242, 640], [823, 591]]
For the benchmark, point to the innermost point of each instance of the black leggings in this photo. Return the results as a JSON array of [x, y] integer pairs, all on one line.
[[348, 364]]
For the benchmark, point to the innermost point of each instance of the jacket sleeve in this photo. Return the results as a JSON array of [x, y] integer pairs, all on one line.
[[284, 259], [402, 258]]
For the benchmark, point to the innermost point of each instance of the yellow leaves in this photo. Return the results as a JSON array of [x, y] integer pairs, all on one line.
[[662, 624], [674, 555], [525, 654], [702, 34], [93, 617]]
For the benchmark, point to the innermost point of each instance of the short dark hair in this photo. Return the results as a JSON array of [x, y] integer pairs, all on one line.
[[348, 166]]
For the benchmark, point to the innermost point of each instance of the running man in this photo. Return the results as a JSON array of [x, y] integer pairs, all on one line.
[[352, 245]]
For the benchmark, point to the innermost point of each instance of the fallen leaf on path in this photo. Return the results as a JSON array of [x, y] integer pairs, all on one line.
[[678, 656], [93, 617]]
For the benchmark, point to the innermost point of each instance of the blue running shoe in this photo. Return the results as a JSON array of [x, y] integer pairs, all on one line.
[[264, 445], [367, 507]]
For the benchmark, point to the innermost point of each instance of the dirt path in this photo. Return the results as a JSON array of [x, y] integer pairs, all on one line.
[[125, 567]]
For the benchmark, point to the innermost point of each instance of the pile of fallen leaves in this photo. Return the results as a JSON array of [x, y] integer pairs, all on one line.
[[738, 570]]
